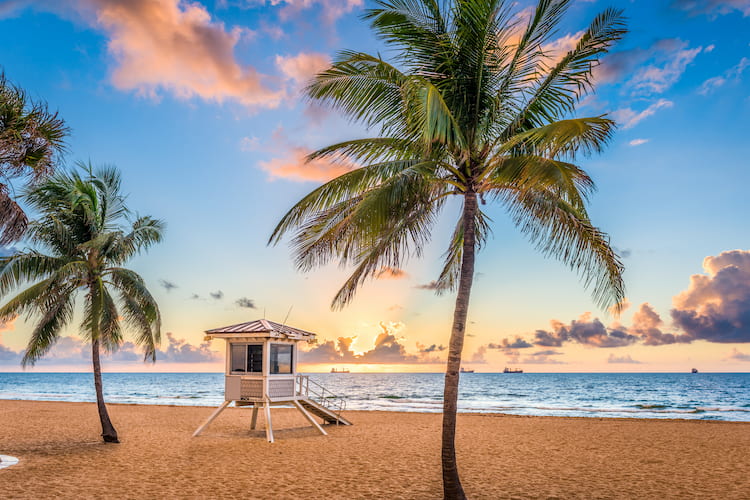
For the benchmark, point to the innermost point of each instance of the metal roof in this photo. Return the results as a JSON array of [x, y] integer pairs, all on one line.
[[262, 326]]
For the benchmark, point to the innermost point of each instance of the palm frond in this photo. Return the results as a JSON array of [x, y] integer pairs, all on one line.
[[559, 230], [57, 313]]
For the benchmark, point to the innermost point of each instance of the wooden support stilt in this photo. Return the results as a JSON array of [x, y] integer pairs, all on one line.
[[211, 418], [255, 417], [269, 429], [310, 418]]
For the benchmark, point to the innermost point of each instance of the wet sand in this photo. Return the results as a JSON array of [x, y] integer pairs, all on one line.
[[383, 455]]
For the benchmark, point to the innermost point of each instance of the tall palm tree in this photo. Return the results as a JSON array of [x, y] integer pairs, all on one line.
[[83, 244], [474, 107], [31, 140]]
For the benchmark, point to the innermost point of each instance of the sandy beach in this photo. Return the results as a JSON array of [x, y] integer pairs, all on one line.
[[384, 455]]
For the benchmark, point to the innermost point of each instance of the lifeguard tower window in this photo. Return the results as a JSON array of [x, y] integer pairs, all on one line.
[[281, 358], [247, 358]]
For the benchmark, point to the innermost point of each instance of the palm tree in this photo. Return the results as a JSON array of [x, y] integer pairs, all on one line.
[[31, 140], [80, 230], [473, 107]]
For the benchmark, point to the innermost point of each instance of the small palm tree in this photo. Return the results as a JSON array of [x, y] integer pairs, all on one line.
[[473, 107], [82, 246], [31, 139]]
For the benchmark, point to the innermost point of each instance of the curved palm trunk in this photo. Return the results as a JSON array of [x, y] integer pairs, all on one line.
[[109, 434], [452, 488]]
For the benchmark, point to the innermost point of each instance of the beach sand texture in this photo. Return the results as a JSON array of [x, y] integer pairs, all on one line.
[[383, 456]]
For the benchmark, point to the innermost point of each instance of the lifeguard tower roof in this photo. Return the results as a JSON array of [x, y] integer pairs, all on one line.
[[262, 326]]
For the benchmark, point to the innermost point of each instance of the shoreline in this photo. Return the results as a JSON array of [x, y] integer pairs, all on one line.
[[594, 412], [409, 412], [383, 455]]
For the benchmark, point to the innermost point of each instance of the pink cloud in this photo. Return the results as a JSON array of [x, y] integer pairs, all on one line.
[[293, 165], [176, 46], [302, 67]]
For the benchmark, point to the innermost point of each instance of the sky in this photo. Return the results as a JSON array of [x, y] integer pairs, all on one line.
[[199, 104]]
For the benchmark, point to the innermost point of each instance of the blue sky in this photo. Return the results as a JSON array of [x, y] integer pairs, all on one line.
[[198, 103]]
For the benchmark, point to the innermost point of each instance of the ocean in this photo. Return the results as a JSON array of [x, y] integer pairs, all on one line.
[[705, 396]]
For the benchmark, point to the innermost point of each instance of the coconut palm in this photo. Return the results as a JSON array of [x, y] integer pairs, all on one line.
[[31, 140], [475, 106], [82, 245]]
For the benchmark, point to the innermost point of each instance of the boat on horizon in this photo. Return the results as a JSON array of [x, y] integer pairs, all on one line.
[[342, 370], [464, 370], [694, 370], [512, 370]]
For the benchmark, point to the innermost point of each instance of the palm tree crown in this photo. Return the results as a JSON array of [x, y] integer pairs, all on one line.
[[31, 140], [81, 246], [473, 106]]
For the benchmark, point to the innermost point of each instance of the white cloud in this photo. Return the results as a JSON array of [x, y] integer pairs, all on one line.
[[655, 79], [629, 118], [732, 74], [638, 142]]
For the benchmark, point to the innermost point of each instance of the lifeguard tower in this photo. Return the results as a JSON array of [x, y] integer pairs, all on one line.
[[261, 371]]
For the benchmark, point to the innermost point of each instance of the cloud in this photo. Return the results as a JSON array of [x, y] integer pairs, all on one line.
[[646, 324], [195, 296], [181, 351], [716, 305], [6, 353], [585, 331], [715, 308], [176, 47], [244, 302], [293, 165], [432, 285], [739, 356], [248, 144], [629, 118], [432, 348], [517, 343], [638, 142], [330, 10], [478, 356], [543, 359], [218, 295], [391, 273], [657, 78], [648, 70], [556, 49], [712, 8], [302, 67], [612, 359], [732, 74], [167, 285], [388, 349]]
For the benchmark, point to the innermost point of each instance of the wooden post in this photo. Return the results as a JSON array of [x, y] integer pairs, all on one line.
[[269, 429], [211, 418], [255, 417], [309, 417]]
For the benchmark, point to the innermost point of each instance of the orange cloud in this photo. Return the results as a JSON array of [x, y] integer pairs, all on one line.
[[391, 273]]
